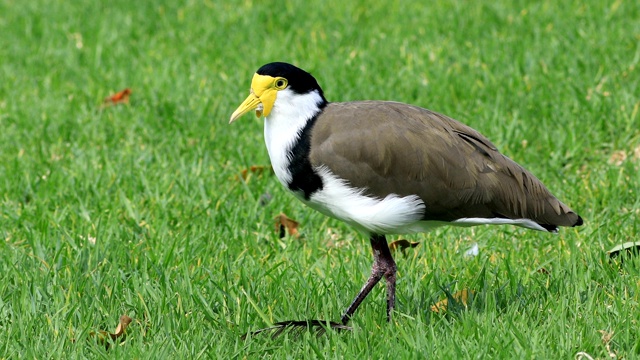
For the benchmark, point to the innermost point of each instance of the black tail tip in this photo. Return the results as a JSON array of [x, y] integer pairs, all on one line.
[[579, 222]]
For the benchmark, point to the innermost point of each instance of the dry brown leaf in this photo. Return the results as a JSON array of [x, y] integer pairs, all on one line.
[[254, 169], [284, 225], [463, 297], [618, 157], [102, 337], [402, 245], [121, 97], [606, 339], [334, 239], [494, 258], [543, 271]]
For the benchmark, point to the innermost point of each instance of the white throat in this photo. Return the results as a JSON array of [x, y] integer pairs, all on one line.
[[282, 127]]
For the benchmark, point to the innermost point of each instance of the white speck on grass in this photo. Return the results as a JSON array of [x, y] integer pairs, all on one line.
[[473, 251]]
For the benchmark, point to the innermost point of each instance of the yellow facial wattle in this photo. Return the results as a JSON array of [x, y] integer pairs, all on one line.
[[264, 89]]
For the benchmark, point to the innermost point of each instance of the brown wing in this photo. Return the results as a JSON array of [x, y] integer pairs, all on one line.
[[394, 148]]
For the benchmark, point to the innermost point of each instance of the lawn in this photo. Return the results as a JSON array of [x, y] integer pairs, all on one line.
[[140, 208]]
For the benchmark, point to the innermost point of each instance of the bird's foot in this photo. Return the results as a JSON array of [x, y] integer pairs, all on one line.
[[298, 327]]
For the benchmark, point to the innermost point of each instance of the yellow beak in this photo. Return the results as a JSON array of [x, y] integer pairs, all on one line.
[[250, 103], [262, 97]]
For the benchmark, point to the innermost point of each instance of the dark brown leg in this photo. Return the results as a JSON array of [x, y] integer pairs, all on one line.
[[383, 265]]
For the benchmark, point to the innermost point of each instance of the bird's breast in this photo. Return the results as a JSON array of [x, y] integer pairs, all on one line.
[[279, 137]]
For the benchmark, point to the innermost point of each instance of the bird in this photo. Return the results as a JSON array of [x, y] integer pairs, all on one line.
[[388, 168]]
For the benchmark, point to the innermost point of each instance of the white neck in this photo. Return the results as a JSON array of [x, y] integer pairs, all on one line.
[[282, 128]]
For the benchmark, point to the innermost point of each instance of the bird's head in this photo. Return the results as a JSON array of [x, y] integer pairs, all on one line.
[[272, 79]]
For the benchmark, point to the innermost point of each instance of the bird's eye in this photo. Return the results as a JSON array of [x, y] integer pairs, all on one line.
[[281, 83]]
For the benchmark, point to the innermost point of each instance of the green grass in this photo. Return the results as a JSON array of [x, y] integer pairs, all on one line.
[[189, 251]]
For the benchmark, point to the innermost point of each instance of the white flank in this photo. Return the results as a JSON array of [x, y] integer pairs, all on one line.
[[393, 214], [282, 128]]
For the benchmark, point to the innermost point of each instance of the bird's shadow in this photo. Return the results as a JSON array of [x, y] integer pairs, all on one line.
[[296, 328], [487, 293]]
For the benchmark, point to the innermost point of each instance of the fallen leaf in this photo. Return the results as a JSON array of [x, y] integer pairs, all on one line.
[[402, 245], [285, 225], [105, 338], [117, 98], [631, 247], [543, 271], [254, 169], [494, 258], [606, 339], [618, 157], [335, 239], [606, 336], [464, 297]]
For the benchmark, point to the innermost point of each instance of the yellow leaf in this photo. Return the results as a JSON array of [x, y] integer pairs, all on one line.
[[102, 337], [402, 244], [463, 297], [283, 222]]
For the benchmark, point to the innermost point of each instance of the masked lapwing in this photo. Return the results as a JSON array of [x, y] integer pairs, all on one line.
[[390, 168]]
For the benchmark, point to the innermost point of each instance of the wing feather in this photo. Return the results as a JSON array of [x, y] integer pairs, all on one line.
[[393, 148]]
